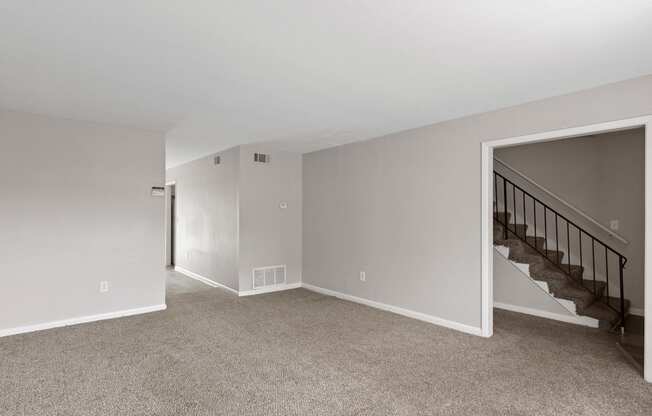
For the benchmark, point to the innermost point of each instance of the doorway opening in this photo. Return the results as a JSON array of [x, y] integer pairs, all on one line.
[[550, 237], [170, 224]]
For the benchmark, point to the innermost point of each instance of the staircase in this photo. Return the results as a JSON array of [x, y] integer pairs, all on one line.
[[570, 289], [536, 237]]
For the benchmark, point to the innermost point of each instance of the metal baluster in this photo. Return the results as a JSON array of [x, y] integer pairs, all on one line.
[[593, 255], [534, 208], [505, 206], [495, 195], [514, 206], [606, 272], [622, 295], [581, 262], [557, 238], [524, 217], [545, 227], [568, 248]]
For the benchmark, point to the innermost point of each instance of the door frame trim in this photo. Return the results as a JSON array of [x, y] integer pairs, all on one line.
[[487, 212]]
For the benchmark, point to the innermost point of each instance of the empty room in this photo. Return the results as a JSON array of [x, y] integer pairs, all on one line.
[[325, 208]]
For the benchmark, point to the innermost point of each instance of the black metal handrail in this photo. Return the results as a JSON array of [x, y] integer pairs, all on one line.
[[568, 267]]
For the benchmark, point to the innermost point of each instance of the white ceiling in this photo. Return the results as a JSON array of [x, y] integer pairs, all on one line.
[[306, 74]]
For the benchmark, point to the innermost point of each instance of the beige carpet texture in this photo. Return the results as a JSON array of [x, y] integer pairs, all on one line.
[[302, 353]]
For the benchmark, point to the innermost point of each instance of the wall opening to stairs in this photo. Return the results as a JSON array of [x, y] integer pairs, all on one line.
[[590, 178]]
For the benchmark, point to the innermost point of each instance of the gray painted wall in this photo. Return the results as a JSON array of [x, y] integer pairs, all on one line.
[[512, 287], [602, 175], [76, 209], [269, 235], [406, 207], [229, 218], [207, 217]]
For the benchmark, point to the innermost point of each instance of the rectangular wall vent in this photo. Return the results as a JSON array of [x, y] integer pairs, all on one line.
[[268, 276], [217, 160], [261, 158]]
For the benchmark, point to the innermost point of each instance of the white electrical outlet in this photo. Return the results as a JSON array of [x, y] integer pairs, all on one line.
[[614, 225], [104, 286], [363, 276]]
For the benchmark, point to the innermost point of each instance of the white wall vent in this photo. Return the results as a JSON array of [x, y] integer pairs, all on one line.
[[217, 160], [261, 158], [268, 276]]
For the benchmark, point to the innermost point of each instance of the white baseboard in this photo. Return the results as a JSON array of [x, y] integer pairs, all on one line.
[[203, 279], [637, 311], [400, 311], [269, 289], [578, 320], [80, 320]]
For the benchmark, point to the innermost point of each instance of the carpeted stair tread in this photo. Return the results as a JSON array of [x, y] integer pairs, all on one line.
[[555, 256], [574, 271], [543, 271], [601, 312], [538, 242], [521, 254], [500, 216], [518, 229], [551, 254], [582, 298], [577, 272], [615, 303], [598, 289]]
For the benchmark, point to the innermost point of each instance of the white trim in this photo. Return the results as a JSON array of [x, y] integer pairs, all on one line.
[[170, 183], [487, 295], [81, 320], [647, 271], [568, 205], [578, 320], [637, 311], [592, 129], [203, 279], [270, 289], [487, 204], [395, 309]]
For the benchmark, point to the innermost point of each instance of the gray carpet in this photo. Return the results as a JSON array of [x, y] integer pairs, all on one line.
[[300, 353]]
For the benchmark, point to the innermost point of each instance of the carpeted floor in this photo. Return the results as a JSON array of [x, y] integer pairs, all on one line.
[[300, 353]]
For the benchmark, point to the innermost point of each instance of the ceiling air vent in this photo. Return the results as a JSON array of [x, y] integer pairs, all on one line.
[[261, 158], [268, 276], [217, 160]]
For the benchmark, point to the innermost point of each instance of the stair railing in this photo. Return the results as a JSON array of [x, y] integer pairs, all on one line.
[[551, 222]]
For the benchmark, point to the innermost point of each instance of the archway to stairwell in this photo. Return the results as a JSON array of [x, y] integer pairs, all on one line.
[[514, 202]]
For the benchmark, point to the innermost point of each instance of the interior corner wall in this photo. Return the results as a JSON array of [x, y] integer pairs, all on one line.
[[269, 234], [206, 226], [406, 208], [76, 210]]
